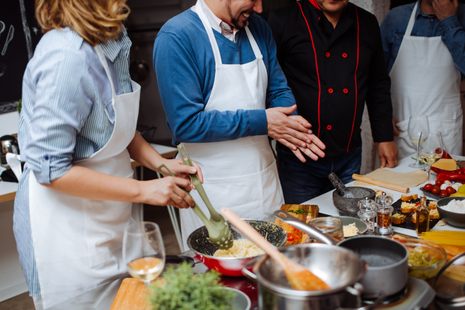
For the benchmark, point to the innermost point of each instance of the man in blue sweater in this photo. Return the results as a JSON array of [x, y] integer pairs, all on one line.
[[224, 94]]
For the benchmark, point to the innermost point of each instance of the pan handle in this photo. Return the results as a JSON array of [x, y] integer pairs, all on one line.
[[246, 269], [312, 232]]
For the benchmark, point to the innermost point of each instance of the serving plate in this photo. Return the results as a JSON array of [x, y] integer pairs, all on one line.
[[430, 194]]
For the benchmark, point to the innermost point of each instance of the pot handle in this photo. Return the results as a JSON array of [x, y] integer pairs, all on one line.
[[357, 290], [312, 232], [247, 267], [176, 259]]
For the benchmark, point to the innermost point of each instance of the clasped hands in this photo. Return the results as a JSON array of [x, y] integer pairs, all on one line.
[[293, 131]]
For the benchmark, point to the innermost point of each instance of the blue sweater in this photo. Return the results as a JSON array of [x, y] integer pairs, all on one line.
[[185, 68]]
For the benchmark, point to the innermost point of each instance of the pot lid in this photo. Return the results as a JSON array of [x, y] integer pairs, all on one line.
[[450, 282]]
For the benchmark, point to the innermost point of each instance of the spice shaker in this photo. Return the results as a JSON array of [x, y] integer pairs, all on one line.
[[367, 213], [384, 215]]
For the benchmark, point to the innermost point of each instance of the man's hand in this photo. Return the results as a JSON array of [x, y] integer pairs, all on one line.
[[394, 128], [293, 132], [445, 8], [388, 154]]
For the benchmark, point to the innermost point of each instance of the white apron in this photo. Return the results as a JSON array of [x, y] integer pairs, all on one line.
[[239, 174], [78, 242], [425, 81]]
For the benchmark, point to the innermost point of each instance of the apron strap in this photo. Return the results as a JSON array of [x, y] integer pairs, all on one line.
[[411, 21], [253, 43], [103, 60], [208, 28]]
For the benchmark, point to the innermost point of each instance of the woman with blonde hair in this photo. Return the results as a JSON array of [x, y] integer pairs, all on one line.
[[77, 133]]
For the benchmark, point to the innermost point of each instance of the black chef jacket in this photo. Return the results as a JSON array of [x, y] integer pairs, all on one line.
[[350, 71]]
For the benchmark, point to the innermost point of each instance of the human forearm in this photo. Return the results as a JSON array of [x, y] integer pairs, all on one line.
[[453, 35]]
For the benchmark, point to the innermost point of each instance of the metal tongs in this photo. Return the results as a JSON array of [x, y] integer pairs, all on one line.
[[218, 230]]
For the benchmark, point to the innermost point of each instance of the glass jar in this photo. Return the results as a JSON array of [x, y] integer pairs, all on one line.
[[384, 211], [330, 226], [367, 213]]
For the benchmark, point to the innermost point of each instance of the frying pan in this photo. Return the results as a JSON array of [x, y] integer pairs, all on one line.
[[231, 266]]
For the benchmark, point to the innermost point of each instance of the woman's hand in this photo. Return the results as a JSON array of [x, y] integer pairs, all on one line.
[[181, 170], [172, 191]]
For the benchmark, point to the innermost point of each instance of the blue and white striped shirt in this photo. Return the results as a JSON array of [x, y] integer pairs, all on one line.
[[66, 115]]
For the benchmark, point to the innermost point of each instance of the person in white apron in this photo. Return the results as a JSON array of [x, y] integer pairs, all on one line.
[[238, 164], [76, 230], [425, 81]]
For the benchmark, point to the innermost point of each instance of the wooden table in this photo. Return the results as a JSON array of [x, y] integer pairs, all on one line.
[[8, 189]]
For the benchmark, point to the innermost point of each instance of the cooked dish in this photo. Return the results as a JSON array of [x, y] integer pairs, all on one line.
[[350, 230], [241, 248]]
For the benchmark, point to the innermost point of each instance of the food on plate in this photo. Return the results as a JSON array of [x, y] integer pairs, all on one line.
[[409, 197], [414, 218], [457, 195], [446, 164], [434, 214], [436, 190], [457, 206], [443, 193], [399, 218], [350, 230], [407, 207], [302, 212], [439, 182], [181, 289], [441, 223], [452, 176], [450, 190], [428, 187], [432, 205]]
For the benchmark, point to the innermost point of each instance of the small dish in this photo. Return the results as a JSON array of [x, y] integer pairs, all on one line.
[[452, 218], [425, 260], [430, 194], [347, 220]]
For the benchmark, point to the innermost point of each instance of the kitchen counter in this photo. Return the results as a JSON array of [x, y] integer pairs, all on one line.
[[8, 189]]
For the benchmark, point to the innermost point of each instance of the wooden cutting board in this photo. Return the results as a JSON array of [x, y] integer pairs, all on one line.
[[304, 213], [131, 296]]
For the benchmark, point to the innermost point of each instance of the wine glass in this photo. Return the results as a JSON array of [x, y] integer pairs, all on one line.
[[431, 149], [143, 251], [418, 125]]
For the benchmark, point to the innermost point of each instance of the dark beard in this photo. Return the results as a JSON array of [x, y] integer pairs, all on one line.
[[234, 21]]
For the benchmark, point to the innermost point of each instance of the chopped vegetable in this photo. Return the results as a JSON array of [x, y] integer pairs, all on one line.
[[182, 290], [419, 259]]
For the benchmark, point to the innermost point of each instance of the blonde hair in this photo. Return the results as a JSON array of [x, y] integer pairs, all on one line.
[[93, 20]]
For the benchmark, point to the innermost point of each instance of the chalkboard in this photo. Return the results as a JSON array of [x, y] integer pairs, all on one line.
[[19, 35]]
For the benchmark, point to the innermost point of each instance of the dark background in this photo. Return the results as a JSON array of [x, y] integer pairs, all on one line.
[[14, 61]]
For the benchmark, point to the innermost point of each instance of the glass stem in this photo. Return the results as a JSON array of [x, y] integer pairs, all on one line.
[[418, 153], [429, 171]]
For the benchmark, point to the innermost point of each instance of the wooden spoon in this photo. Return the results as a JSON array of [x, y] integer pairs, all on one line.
[[298, 276]]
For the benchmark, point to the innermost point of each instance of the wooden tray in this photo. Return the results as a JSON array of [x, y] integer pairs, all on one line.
[[131, 296]]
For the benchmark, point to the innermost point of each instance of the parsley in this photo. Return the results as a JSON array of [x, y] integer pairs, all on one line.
[[299, 211], [184, 291]]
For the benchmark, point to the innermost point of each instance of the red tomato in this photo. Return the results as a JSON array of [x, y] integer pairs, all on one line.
[[290, 237], [439, 182], [450, 190], [428, 187], [436, 190], [443, 193]]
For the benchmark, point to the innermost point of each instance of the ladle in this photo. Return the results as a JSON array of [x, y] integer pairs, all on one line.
[[298, 276], [216, 219], [218, 236]]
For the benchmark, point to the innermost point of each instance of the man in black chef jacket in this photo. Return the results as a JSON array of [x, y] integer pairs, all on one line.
[[332, 56]]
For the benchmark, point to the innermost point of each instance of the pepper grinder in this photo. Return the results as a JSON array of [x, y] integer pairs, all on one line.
[[384, 215], [367, 213]]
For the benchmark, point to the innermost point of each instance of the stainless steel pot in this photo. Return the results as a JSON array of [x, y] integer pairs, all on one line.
[[387, 260], [338, 267], [8, 144]]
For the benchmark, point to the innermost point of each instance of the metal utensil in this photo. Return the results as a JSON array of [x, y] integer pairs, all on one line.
[[216, 219], [9, 37], [2, 27], [218, 236]]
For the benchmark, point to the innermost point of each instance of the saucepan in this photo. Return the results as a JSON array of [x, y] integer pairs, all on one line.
[[386, 259], [229, 266]]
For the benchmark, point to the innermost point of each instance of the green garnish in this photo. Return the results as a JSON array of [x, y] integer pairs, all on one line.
[[182, 290], [299, 211]]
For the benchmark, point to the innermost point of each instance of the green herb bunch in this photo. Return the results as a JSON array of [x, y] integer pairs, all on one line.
[[182, 290]]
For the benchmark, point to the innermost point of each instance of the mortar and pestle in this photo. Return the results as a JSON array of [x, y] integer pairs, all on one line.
[[346, 199]]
